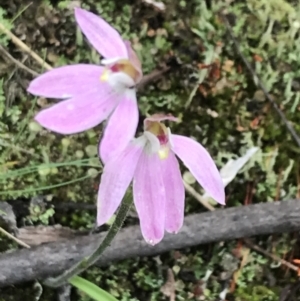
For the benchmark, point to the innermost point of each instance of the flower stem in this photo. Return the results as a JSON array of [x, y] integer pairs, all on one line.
[[88, 261]]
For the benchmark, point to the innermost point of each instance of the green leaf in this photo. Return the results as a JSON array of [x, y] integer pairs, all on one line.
[[91, 289]]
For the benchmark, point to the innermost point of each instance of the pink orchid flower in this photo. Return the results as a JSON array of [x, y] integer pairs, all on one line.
[[90, 93], [158, 189]]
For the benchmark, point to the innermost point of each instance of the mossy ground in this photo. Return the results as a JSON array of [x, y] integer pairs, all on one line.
[[217, 101]]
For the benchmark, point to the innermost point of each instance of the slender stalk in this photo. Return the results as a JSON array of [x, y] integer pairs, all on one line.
[[88, 261]]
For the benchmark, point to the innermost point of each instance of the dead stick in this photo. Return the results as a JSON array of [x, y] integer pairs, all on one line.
[[272, 256], [18, 241], [16, 62], [287, 123], [24, 47], [222, 224], [198, 196]]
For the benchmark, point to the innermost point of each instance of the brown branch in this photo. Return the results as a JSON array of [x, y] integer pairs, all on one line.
[[24, 47], [16, 62], [198, 196], [34, 236], [287, 123], [238, 222], [272, 256], [151, 77], [18, 241]]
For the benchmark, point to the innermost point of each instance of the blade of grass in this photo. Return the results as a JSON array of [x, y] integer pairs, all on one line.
[[22, 191], [91, 289], [35, 168]]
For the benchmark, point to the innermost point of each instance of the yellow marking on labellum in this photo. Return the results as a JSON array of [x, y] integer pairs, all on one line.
[[163, 152], [104, 75]]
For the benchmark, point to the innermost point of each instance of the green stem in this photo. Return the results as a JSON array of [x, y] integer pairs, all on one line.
[[88, 261]]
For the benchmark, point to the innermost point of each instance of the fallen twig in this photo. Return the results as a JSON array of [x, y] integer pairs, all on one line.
[[24, 47], [223, 224], [151, 77], [198, 196], [260, 84], [18, 241], [272, 256], [16, 62]]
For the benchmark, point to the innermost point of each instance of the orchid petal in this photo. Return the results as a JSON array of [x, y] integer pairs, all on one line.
[[121, 127], [106, 40], [196, 158], [67, 81], [135, 61], [174, 192], [79, 113], [116, 177], [232, 167], [150, 197]]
